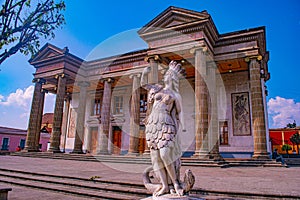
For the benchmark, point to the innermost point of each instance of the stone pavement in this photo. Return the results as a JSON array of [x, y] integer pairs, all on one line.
[[253, 180]]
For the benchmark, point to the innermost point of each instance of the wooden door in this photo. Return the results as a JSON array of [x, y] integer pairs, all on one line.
[[94, 138], [117, 136], [142, 140]]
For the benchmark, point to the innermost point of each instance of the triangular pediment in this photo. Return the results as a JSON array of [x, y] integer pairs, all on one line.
[[48, 51], [173, 17]]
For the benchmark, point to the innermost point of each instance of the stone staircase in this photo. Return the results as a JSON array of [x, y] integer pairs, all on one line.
[[186, 161], [88, 188]]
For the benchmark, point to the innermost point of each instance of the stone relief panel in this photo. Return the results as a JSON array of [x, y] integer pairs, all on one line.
[[241, 114], [72, 123]]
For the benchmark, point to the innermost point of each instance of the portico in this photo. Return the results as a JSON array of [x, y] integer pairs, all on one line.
[[223, 92]]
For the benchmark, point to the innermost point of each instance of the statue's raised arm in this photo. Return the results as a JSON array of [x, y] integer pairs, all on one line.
[[144, 79]]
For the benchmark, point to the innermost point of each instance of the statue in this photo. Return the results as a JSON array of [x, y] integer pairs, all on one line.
[[162, 125]]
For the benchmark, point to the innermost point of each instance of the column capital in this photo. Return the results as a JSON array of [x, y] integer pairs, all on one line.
[[131, 76], [83, 83], [44, 90], [257, 57], [109, 80], [39, 80], [68, 96], [60, 75], [203, 49], [154, 57]]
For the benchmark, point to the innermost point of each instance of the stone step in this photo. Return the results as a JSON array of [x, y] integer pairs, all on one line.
[[72, 185], [127, 184], [146, 160]]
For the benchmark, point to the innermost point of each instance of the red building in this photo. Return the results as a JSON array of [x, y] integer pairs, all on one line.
[[281, 136], [11, 138]]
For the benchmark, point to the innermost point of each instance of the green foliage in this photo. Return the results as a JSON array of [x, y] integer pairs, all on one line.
[[24, 22], [293, 125], [286, 147], [295, 139]]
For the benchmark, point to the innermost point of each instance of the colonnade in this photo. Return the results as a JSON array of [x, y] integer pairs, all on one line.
[[206, 121]]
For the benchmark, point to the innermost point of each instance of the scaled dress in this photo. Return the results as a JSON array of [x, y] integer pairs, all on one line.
[[162, 122]]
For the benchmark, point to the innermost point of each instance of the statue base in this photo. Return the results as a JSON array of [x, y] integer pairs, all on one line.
[[173, 197]]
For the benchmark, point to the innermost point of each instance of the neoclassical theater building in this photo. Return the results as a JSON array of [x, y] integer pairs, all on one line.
[[100, 107]]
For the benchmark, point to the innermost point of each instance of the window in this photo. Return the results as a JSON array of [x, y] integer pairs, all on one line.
[[223, 126], [22, 143], [143, 102], [5, 144], [118, 105], [97, 106]]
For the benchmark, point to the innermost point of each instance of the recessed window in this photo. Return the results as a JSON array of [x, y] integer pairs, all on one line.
[[5, 144], [223, 131], [143, 102], [118, 105], [97, 106]]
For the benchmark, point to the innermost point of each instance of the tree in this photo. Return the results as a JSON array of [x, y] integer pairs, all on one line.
[[295, 139], [23, 23], [286, 147], [293, 125]]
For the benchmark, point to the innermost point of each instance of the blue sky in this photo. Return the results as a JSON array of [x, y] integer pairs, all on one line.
[[112, 25]]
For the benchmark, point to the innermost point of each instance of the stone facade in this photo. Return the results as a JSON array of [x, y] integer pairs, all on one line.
[[223, 92]]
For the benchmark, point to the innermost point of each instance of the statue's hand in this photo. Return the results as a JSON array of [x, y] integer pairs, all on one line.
[[147, 70]]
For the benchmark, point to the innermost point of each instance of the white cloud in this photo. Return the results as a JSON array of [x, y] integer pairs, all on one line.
[[283, 111], [20, 98], [1, 98], [15, 107]]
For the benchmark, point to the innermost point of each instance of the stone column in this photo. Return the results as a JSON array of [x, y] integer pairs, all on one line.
[[214, 118], [39, 121], [58, 114], [89, 140], [153, 75], [103, 133], [152, 79], [80, 117], [30, 144], [258, 110], [135, 116], [65, 125], [201, 105]]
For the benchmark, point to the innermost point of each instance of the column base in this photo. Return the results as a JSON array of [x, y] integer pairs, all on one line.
[[29, 150], [54, 151], [201, 155], [261, 156], [146, 153], [216, 157], [77, 151], [103, 152], [134, 154]]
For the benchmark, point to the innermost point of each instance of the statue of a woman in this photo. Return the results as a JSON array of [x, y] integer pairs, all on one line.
[[162, 127]]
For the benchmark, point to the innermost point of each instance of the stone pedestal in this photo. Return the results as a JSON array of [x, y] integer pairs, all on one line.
[[173, 197]]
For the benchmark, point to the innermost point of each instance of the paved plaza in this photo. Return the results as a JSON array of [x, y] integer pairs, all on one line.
[[253, 180]]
